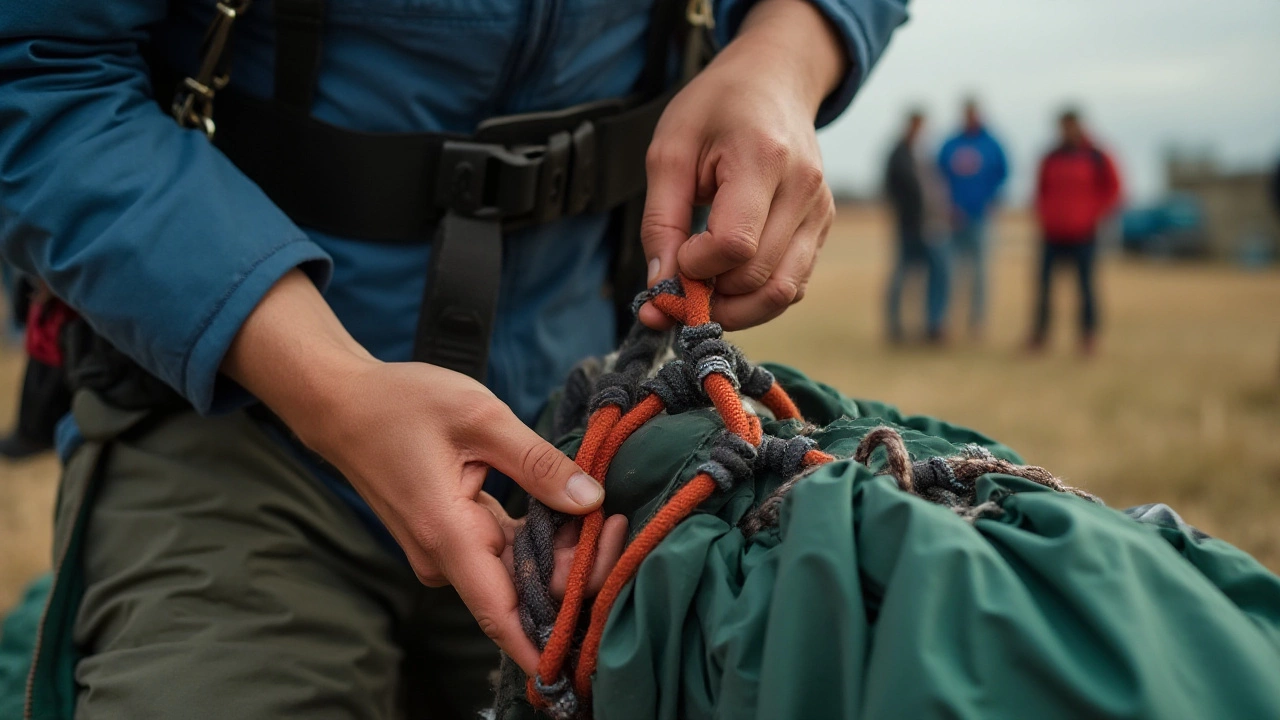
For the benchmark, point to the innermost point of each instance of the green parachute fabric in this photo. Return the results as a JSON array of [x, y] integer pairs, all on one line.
[[868, 602]]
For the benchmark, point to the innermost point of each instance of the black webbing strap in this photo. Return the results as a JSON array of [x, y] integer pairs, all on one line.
[[341, 182], [298, 27], [461, 298], [394, 187]]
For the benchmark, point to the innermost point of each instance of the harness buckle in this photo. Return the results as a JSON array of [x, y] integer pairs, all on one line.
[[519, 184]]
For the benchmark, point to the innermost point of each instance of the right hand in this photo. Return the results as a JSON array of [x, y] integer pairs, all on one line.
[[416, 441]]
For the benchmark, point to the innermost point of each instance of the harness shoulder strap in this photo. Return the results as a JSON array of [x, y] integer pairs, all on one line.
[[298, 28]]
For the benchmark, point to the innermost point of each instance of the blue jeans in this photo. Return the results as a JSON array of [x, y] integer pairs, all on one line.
[[914, 256], [1083, 256], [970, 242]]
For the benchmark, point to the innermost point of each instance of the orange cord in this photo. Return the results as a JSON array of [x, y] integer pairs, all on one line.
[[780, 403], [663, 522], [607, 429], [557, 648]]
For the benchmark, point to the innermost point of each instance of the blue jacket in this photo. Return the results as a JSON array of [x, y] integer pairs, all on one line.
[[975, 168], [165, 247]]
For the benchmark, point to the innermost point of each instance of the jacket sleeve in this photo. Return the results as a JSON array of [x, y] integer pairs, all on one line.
[[864, 25], [1000, 166], [1109, 190], [144, 228]]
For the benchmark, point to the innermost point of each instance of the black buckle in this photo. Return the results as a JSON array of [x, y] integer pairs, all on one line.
[[519, 185]]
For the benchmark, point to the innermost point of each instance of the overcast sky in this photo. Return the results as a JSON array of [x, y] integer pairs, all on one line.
[[1148, 74]]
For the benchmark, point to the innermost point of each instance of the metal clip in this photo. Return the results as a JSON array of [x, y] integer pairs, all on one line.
[[699, 44], [193, 100], [699, 13]]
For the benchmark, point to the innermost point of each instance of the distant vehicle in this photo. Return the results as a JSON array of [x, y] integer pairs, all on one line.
[[1174, 227]]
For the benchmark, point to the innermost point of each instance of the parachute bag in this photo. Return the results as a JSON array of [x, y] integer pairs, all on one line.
[[799, 554]]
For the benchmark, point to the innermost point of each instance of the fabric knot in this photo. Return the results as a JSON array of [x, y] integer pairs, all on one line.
[[676, 384], [613, 389], [670, 286], [785, 457], [732, 461], [937, 472], [693, 335], [756, 381], [976, 452], [562, 703], [572, 409], [712, 355], [719, 365], [636, 354]]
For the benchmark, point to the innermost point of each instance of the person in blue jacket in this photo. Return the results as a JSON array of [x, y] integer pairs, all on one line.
[[975, 168], [228, 571]]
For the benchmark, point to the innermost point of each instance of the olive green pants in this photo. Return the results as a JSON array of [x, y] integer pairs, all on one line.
[[221, 581]]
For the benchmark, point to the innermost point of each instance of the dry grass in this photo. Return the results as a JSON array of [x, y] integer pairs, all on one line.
[[1182, 405]]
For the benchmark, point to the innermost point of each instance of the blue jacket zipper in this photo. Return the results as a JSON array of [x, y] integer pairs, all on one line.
[[540, 27]]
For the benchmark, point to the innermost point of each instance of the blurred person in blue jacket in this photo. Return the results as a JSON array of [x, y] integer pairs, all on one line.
[[974, 166], [918, 195], [258, 483]]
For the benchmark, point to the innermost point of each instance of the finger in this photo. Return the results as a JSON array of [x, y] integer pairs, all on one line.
[[786, 214], [613, 539], [470, 558], [485, 586], [668, 208], [732, 238], [785, 287], [507, 444], [800, 191], [510, 527]]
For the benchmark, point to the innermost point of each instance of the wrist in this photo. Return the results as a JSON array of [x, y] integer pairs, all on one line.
[[793, 38], [294, 355]]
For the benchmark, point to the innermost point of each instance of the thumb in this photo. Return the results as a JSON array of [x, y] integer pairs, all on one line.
[[538, 467], [668, 209]]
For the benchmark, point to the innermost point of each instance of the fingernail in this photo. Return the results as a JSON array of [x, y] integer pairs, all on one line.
[[584, 490], [655, 266]]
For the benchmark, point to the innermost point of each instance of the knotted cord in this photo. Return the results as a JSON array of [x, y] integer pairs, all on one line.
[[706, 371]]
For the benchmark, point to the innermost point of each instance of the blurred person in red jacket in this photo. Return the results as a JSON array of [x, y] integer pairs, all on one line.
[[1078, 187]]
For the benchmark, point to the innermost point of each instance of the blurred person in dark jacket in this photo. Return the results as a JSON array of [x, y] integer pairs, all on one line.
[[974, 167], [1078, 187], [918, 194]]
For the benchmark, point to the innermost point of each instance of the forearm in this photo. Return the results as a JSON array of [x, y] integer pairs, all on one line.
[[794, 41], [294, 354]]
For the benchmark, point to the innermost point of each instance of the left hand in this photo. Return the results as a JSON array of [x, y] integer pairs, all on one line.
[[741, 136]]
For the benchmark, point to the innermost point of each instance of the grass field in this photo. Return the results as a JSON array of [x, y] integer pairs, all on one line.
[[1182, 404]]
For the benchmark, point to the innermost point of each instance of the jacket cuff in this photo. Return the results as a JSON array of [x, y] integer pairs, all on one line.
[[856, 48], [864, 27], [209, 391]]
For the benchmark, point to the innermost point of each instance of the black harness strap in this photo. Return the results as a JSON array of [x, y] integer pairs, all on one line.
[[395, 187], [459, 192], [461, 298]]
